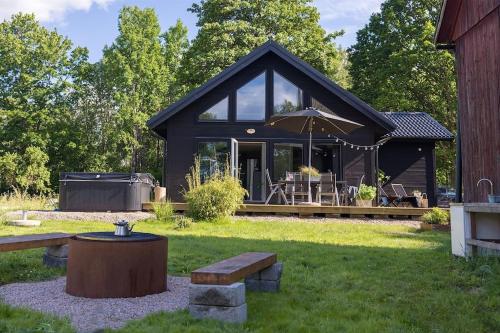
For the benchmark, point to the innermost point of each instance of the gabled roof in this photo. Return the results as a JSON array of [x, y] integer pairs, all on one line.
[[293, 60], [417, 125]]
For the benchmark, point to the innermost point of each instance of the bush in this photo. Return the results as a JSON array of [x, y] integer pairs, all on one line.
[[366, 192], [220, 196], [183, 222], [164, 211], [436, 216]]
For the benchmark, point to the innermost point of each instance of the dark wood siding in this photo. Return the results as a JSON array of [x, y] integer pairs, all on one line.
[[411, 164], [478, 69], [183, 131]]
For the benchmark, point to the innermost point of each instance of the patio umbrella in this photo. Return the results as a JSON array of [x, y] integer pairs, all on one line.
[[312, 120]]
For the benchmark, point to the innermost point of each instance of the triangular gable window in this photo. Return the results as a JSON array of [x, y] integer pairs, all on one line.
[[320, 106], [216, 112]]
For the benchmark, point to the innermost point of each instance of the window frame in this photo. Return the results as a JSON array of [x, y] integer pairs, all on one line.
[[272, 83], [200, 141], [265, 73], [198, 119]]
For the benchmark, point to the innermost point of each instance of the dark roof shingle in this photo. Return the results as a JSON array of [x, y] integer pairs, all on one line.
[[417, 125]]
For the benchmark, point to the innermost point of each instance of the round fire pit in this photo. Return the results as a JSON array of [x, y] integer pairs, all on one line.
[[102, 265]]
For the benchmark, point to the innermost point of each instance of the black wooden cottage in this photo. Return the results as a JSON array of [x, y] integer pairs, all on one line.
[[226, 116]]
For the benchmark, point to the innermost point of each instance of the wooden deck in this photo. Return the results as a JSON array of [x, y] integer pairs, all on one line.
[[311, 210]]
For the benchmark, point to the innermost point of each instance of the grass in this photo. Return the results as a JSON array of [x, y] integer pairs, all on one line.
[[337, 278]]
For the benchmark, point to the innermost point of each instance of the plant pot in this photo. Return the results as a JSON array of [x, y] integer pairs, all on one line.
[[364, 203], [493, 198]]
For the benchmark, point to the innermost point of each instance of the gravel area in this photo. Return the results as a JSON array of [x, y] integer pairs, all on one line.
[[82, 216], [346, 220], [89, 315]]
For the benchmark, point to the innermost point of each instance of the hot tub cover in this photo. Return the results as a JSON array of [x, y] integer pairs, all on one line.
[[100, 192], [108, 177]]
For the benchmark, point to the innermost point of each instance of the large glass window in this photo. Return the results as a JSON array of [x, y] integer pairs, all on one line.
[[216, 112], [287, 96], [251, 100], [320, 106], [286, 157], [213, 157]]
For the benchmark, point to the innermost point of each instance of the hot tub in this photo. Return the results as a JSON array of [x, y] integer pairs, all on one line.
[[101, 192]]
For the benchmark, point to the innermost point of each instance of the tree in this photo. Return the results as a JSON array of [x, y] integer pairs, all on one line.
[[396, 67], [135, 69], [229, 29], [175, 46], [26, 173], [95, 114], [35, 82]]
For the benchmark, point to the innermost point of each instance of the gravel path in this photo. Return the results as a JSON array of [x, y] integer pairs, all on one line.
[[89, 315], [347, 220], [82, 216]]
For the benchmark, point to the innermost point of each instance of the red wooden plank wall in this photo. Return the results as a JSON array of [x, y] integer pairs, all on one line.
[[478, 69]]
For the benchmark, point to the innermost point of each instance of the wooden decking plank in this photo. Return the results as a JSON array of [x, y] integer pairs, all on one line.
[[233, 269], [32, 241], [309, 210]]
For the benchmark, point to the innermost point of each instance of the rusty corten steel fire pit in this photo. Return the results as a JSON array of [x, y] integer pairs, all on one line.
[[102, 265]]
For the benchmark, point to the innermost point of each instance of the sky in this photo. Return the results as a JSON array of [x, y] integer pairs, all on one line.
[[93, 23]]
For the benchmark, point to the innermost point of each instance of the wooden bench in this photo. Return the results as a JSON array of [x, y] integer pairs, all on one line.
[[215, 291], [233, 269], [56, 254]]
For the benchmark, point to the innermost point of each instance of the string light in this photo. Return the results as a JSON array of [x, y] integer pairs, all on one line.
[[357, 147]]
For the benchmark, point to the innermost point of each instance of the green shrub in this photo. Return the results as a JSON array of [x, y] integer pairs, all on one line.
[[183, 222], [220, 196], [366, 192], [164, 211], [436, 216]]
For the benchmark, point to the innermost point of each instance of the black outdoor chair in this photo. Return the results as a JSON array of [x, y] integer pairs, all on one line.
[[384, 199], [403, 197], [297, 188]]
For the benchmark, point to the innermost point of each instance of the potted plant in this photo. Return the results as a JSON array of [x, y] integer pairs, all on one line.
[[436, 219], [365, 195], [312, 171]]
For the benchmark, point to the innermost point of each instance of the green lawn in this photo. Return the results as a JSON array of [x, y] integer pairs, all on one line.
[[337, 278]]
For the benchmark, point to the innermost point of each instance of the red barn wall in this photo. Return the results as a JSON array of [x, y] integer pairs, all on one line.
[[477, 52]]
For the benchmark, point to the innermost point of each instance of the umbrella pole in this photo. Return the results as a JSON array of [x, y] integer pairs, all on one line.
[[309, 196]]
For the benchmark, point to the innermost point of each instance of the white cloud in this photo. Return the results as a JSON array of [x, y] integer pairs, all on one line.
[[347, 15], [353, 9], [47, 10]]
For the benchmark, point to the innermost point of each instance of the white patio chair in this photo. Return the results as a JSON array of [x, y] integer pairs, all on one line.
[[328, 187], [275, 188]]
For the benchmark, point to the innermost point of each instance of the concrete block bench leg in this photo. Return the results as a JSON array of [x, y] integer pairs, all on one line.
[[267, 280], [221, 302], [56, 256]]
